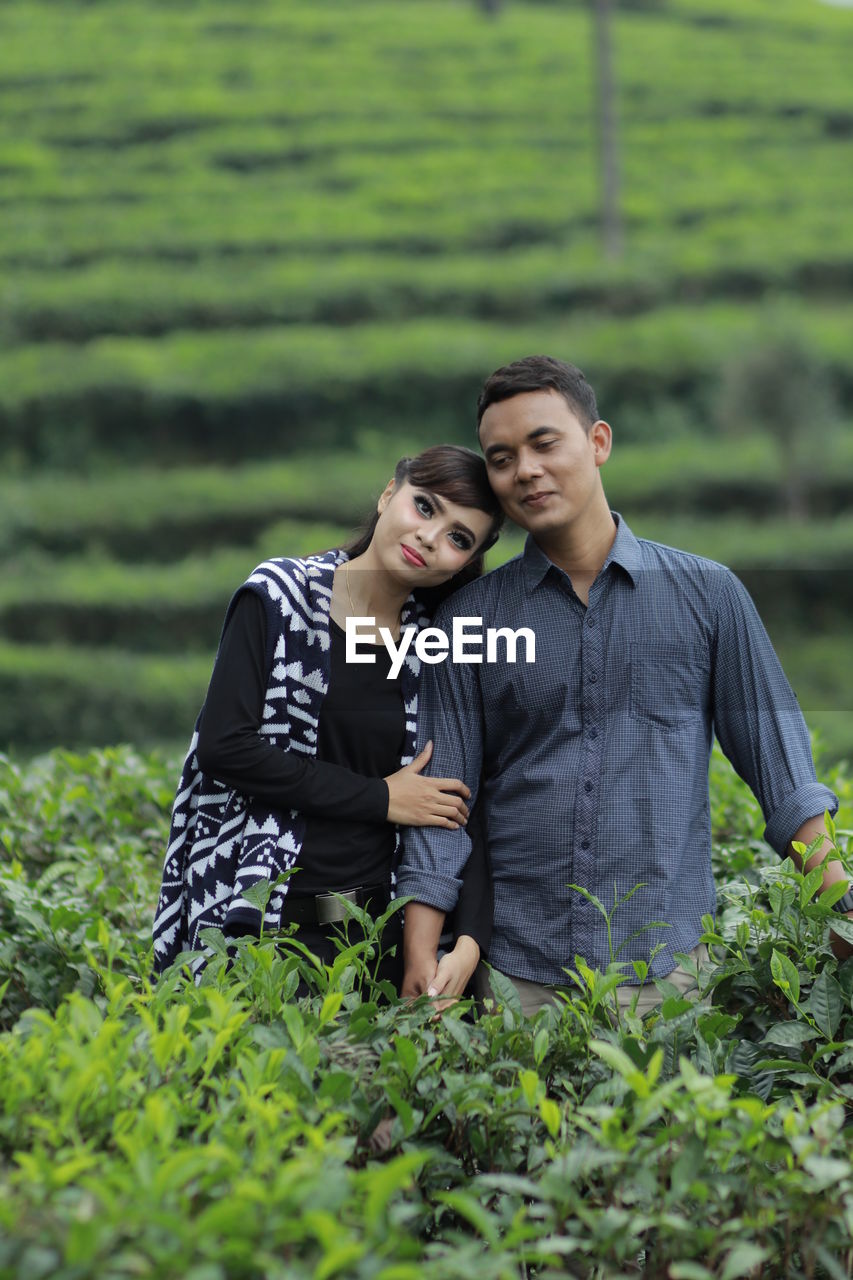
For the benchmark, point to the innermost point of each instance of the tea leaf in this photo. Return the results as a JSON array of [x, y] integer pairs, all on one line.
[[785, 975], [825, 1004], [743, 1259]]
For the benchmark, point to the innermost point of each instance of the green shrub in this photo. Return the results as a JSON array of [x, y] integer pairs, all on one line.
[[226, 1129], [52, 694]]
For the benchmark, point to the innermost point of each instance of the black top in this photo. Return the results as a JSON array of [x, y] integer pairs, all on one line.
[[348, 840], [362, 727]]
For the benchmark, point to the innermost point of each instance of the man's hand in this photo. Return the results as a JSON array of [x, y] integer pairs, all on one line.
[[415, 801], [833, 871], [420, 973]]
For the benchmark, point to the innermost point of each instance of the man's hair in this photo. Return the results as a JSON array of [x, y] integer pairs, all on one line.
[[540, 373]]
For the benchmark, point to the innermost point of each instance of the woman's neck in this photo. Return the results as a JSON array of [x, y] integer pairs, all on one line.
[[363, 590]]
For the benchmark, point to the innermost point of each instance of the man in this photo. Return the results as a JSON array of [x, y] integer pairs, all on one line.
[[592, 763]]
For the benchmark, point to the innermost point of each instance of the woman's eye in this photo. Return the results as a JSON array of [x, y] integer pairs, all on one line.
[[461, 540], [423, 505]]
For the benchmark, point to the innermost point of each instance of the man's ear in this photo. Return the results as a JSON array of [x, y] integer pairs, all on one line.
[[385, 496], [601, 438]]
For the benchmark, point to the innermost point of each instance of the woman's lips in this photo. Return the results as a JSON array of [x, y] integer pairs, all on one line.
[[413, 557]]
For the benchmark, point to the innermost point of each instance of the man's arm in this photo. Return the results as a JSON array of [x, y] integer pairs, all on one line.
[[450, 713], [470, 925], [421, 932], [761, 729]]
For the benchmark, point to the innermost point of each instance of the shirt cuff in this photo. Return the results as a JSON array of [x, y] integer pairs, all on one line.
[[376, 800], [440, 892], [804, 803], [481, 934]]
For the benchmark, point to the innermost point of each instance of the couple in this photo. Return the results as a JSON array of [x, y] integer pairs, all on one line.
[[587, 767]]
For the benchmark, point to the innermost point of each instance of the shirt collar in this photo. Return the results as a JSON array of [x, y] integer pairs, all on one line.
[[625, 552]]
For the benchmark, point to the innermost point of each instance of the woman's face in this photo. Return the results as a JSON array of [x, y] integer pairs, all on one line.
[[424, 539]]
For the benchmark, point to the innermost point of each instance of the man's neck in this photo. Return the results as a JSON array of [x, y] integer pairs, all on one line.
[[581, 548]]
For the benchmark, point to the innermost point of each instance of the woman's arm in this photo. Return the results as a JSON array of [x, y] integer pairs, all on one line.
[[231, 749]]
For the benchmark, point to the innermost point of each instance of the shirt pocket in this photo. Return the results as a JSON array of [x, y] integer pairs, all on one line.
[[669, 682]]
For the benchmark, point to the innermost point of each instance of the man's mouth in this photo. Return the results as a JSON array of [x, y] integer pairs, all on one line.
[[536, 500], [413, 556]]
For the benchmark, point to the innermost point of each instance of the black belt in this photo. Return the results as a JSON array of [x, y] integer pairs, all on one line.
[[327, 909]]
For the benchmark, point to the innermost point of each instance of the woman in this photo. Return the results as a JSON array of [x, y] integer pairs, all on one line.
[[302, 762]]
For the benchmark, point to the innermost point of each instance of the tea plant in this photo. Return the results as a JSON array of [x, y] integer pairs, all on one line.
[[223, 1126]]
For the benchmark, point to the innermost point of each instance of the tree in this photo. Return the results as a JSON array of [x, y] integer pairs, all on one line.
[[778, 386]]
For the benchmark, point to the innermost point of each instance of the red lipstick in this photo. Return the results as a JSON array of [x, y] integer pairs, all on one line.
[[412, 556]]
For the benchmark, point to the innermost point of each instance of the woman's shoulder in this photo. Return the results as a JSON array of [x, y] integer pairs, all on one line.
[[296, 572]]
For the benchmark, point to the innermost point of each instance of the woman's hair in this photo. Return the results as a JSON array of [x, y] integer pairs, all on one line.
[[459, 475]]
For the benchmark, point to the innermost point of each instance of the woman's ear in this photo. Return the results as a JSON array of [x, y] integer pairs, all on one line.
[[385, 496]]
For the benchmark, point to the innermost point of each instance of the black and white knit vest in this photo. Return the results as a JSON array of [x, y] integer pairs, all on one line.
[[221, 843]]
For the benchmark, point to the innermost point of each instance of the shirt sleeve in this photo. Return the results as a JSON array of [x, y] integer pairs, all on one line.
[[475, 908], [451, 714], [758, 720], [231, 749]]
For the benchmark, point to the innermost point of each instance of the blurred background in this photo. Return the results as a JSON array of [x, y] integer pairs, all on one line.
[[251, 253]]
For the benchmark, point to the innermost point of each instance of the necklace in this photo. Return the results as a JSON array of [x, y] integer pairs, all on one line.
[[349, 593], [352, 606]]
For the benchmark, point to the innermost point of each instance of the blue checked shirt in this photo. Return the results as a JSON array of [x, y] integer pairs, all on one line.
[[594, 759]]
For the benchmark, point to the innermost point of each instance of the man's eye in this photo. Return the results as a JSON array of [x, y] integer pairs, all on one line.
[[545, 444], [497, 463]]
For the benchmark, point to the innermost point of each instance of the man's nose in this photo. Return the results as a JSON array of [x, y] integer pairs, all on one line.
[[528, 465]]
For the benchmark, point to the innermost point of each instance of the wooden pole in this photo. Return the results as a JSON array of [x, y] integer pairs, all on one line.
[[612, 232]]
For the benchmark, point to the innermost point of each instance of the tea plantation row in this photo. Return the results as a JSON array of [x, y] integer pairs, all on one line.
[[139, 514], [227, 1130], [194, 205], [239, 394], [115, 586]]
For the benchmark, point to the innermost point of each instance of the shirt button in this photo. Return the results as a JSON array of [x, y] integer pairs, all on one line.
[[584, 844], [592, 679], [587, 786], [590, 622], [593, 733]]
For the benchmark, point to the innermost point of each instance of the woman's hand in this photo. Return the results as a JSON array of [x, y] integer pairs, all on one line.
[[414, 801], [454, 972]]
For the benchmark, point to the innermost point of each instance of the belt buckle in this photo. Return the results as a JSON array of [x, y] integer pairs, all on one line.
[[330, 910]]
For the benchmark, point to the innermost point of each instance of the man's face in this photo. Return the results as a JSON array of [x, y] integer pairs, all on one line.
[[542, 464]]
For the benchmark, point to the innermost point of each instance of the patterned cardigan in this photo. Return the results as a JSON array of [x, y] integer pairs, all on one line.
[[221, 842]]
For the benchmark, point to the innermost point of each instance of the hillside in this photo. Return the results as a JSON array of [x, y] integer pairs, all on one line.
[[231, 240], [219, 233]]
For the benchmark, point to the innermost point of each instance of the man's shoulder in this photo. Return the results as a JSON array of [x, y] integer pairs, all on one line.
[[670, 573], [659, 555]]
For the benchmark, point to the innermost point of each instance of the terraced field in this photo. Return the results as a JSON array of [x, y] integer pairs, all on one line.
[[235, 235]]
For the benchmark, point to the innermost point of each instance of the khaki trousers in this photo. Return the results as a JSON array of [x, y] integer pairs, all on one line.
[[535, 995]]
